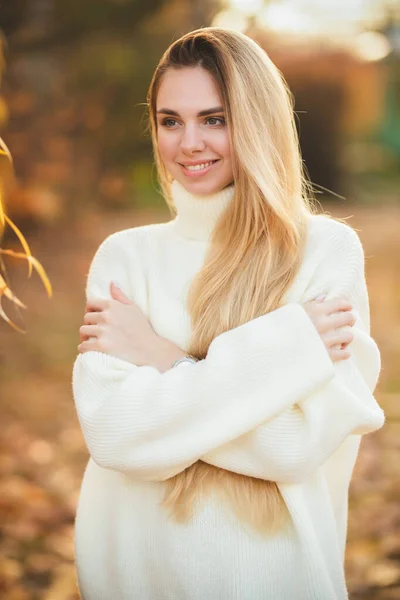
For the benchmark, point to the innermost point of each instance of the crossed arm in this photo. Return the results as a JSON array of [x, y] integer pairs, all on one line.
[[267, 401]]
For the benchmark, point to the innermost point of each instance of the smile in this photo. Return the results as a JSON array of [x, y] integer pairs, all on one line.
[[200, 169]]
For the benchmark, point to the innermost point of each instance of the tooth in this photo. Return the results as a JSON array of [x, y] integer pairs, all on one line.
[[198, 167]]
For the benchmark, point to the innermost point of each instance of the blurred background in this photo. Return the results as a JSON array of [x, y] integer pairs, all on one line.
[[73, 113]]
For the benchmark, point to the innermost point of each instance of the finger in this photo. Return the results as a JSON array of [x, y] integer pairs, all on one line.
[[97, 304], [338, 355], [90, 309], [93, 318], [342, 319], [83, 338], [336, 320], [88, 346], [339, 337], [118, 294], [90, 330], [335, 305]]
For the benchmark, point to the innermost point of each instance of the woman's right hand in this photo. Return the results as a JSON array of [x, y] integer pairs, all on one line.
[[328, 317]]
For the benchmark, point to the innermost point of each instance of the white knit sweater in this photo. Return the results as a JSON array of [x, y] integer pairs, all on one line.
[[267, 402]]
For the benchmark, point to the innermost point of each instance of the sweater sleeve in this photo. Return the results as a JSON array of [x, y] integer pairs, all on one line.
[[153, 425], [291, 446]]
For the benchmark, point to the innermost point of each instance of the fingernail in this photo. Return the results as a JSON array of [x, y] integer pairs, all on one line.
[[320, 298], [118, 285]]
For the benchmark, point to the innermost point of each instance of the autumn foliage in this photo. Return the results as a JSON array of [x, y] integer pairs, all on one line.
[[5, 289]]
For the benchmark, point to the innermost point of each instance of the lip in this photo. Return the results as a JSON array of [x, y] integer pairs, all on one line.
[[198, 162], [199, 172]]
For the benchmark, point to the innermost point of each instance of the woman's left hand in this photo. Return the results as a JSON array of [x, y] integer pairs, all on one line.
[[118, 327]]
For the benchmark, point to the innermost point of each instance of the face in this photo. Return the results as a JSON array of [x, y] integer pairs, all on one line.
[[192, 131]]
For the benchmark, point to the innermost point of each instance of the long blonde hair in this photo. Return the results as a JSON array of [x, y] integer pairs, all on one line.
[[256, 246]]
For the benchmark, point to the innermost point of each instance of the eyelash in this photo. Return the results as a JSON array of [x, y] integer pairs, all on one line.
[[165, 121]]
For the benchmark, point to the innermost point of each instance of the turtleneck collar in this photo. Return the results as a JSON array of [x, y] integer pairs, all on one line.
[[196, 214]]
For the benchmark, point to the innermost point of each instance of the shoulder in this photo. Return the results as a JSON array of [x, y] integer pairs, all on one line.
[[333, 260], [333, 240], [134, 241], [134, 236], [324, 228], [125, 250], [121, 257]]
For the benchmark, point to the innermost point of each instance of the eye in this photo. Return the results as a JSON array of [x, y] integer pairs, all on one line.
[[220, 119], [169, 122], [166, 122]]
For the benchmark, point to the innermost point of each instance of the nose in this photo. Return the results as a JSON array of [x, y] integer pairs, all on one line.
[[192, 139]]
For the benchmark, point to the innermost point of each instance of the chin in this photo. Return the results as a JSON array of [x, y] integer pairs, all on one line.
[[204, 188]]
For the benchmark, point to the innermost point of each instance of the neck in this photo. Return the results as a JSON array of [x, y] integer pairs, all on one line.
[[198, 214]]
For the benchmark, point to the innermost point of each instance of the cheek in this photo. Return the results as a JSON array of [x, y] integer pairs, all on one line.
[[166, 146], [222, 145]]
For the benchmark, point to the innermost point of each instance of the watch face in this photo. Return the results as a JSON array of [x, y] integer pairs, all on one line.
[[186, 360]]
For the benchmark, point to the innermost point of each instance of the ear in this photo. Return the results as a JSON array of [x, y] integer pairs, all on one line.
[[118, 294]]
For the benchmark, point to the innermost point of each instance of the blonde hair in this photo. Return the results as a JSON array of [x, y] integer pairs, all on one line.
[[256, 246]]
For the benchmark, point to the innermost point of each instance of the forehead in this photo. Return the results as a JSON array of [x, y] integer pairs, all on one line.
[[188, 89]]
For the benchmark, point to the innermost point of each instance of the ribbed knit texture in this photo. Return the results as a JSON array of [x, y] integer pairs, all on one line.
[[266, 402]]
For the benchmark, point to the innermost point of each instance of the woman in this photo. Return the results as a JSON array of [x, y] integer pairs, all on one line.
[[223, 476]]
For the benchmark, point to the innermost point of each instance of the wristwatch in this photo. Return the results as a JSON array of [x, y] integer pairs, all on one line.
[[185, 359]]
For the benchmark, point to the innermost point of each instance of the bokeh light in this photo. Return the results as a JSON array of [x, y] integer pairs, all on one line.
[[371, 46]]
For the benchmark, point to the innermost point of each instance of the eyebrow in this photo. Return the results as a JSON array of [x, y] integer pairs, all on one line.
[[202, 113]]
